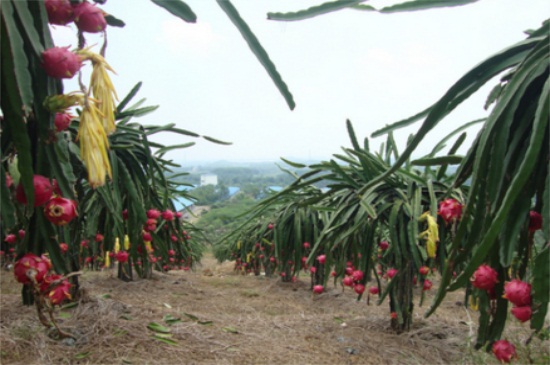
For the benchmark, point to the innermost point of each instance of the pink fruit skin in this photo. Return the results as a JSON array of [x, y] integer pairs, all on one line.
[[60, 12], [485, 277], [523, 314], [518, 292], [373, 290], [322, 259], [450, 209], [384, 245], [424, 270], [43, 191], [10, 238], [504, 351], [89, 18], [60, 63]]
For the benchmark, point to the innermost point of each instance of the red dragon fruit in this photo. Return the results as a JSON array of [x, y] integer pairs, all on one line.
[[10, 238], [59, 293], [427, 285], [391, 273], [450, 210], [62, 121], [535, 221], [43, 191], [485, 277], [60, 211], [318, 289], [384, 245], [60, 63], [168, 215], [29, 261], [63, 247], [504, 351], [357, 275], [122, 256], [359, 288], [518, 292], [348, 281], [424, 270], [89, 18], [153, 214], [321, 259], [522, 313], [374, 290], [60, 12]]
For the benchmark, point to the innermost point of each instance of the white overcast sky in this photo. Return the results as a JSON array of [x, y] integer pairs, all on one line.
[[371, 68]]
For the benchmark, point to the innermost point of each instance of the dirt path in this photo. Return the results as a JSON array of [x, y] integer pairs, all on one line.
[[215, 316]]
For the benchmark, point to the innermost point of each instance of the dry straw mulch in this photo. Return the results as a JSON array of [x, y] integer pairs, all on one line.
[[226, 318]]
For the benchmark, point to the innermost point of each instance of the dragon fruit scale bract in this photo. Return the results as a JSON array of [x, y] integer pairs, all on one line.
[[60, 63], [60, 12], [89, 18], [485, 278]]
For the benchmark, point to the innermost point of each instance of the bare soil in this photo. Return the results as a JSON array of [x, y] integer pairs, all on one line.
[[217, 316]]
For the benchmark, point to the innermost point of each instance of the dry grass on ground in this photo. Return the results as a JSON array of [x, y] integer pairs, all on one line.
[[227, 318]]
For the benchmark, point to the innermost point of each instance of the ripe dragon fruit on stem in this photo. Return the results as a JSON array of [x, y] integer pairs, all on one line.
[[60, 63], [57, 293], [60, 211], [504, 351], [31, 265], [60, 12], [523, 314], [43, 191], [89, 18], [535, 221], [518, 292], [485, 278], [450, 210]]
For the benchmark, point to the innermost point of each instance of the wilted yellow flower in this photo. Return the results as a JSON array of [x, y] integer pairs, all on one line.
[[107, 259], [126, 242], [117, 246], [102, 88], [94, 145], [431, 235]]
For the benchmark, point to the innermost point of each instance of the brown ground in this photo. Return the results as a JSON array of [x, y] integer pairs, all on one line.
[[232, 319]]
